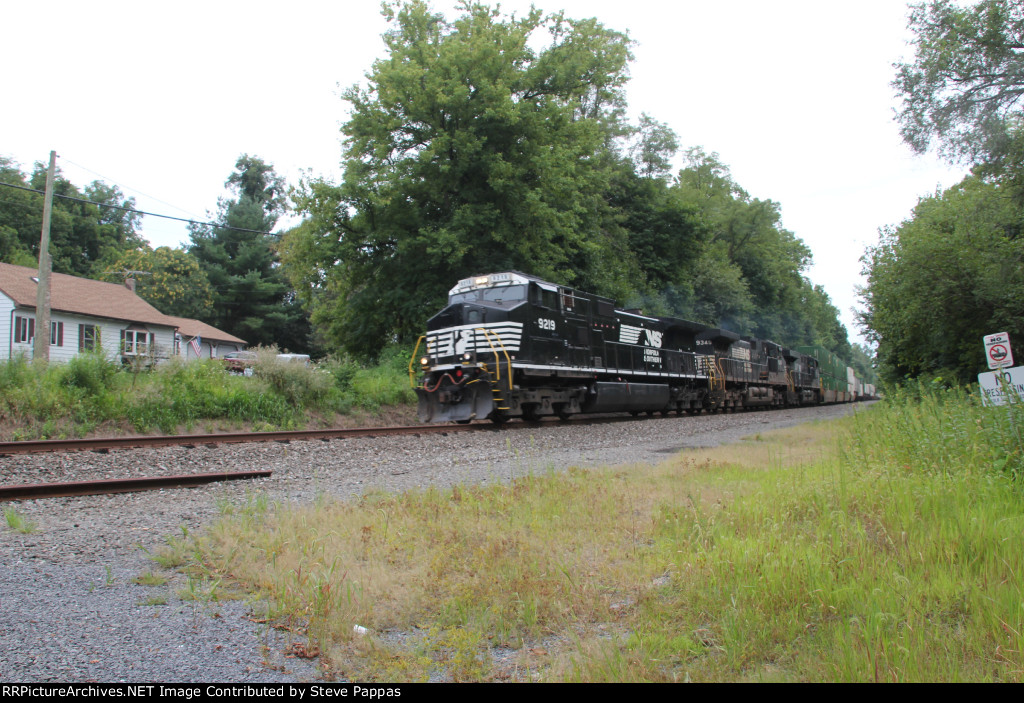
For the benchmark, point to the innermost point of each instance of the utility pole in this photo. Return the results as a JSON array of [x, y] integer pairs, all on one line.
[[41, 350]]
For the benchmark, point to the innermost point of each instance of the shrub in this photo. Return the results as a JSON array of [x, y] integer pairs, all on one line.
[[15, 373], [300, 385], [93, 373]]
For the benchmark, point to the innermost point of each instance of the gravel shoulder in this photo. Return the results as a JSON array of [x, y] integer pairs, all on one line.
[[70, 612]]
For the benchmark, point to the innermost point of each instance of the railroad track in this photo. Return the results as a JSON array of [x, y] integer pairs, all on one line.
[[37, 491], [103, 444]]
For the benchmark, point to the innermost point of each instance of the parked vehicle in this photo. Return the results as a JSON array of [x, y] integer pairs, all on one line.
[[239, 361], [243, 361]]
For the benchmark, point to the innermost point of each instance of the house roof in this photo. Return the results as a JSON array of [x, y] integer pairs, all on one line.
[[192, 328], [84, 296]]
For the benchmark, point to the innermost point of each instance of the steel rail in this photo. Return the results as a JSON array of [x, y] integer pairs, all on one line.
[[103, 444], [34, 491]]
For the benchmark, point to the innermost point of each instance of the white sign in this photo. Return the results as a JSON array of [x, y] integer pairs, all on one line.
[[997, 350], [997, 385]]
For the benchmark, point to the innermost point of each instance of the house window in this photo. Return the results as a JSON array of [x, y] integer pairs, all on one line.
[[88, 338], [56, 334], [24, 329], [135, 342]]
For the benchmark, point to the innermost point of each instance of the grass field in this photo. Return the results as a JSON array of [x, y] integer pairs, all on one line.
[[884, 547]]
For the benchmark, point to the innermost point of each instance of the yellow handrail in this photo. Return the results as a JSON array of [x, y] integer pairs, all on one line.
[[412, 383], [487, 336], [716, 376]]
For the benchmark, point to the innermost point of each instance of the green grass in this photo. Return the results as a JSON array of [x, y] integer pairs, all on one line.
[[18, 522], [149, 578], [886, 547], [92, 392]]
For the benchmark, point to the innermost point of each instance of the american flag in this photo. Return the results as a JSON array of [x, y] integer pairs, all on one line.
[[196, 341]]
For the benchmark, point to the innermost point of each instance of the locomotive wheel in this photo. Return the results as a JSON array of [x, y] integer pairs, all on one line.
[[531, 413], [562, 410], [498, 418], [463, 422]]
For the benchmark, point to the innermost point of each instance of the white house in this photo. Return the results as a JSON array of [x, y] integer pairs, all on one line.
[[88, 315]]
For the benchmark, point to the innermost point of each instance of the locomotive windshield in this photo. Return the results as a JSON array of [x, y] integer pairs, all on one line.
[[496, 294]]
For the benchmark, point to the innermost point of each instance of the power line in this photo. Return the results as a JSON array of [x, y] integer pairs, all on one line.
[[140, 212], [126, 187]]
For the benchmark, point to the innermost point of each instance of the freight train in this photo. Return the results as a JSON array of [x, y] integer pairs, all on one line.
[[512, 345]]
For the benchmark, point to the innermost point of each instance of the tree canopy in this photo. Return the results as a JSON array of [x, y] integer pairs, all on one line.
[[469, 150], [964, 87], [171, 280], [942, 280], [81, 233], [493, 142]]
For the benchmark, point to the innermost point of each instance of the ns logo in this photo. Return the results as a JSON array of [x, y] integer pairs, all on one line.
[[653, 338]]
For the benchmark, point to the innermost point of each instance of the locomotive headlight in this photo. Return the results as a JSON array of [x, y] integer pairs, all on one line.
[[424, 361], [467, 356]]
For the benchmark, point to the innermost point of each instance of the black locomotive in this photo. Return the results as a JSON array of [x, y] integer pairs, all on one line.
[[512, 345]]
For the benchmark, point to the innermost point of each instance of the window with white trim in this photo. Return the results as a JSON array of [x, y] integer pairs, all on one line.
[[135, 342], [56, 333]]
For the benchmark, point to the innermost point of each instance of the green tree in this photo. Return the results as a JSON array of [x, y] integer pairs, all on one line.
[[654, 145], [747, 269], [942, 280], [21, 213], [171, 280], [964, 87], [85, 226], [238, 255], [469, 150]]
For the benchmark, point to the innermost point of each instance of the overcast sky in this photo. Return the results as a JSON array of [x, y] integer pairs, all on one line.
[[161, 99]]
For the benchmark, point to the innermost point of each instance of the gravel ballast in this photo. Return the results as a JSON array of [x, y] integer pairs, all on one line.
[[69, 611]]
